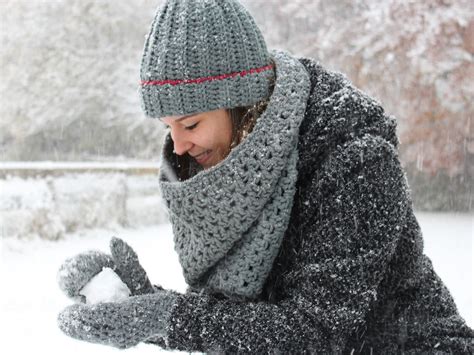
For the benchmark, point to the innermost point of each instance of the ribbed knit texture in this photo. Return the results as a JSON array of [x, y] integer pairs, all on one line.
[[228, 221], [202, 55], [351, 276]]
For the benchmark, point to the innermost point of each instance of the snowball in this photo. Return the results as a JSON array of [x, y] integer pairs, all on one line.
[[106, 286]]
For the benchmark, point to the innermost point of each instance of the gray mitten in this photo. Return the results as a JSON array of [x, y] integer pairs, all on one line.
[[77, 271], [129, 268], [120, 324]]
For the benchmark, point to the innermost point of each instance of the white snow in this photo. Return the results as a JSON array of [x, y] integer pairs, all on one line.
[[106, 286], [31, 299], [77, 165], [51, 206]]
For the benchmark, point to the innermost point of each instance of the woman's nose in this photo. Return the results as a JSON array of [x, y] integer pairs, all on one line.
[[181, 144]]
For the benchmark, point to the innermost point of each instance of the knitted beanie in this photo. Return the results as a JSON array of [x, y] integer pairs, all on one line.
[[203, 55]]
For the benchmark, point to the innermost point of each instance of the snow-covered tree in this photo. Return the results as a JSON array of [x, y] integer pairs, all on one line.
[[416, 57], [70, 74], [70, 71]]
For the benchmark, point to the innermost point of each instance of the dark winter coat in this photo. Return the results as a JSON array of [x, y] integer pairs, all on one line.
[[351, 276]]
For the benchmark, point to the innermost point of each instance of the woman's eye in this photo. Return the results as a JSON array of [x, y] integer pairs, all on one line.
[[192, 126]]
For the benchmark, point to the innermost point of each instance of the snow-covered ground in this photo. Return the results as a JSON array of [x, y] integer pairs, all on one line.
[[30, 298]]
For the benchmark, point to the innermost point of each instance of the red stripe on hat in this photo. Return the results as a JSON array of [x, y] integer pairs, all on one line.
[[204, 79]]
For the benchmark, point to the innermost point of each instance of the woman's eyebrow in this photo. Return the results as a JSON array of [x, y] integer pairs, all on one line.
[[179, 119], [184, 117]]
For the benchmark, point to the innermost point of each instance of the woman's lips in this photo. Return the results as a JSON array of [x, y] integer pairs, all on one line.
[[201, 158]]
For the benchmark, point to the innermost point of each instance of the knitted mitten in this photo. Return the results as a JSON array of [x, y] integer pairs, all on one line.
[[77, 271], [119, 324], [129, 268]]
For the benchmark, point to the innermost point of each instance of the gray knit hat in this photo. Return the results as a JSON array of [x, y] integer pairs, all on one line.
[[202, 55]]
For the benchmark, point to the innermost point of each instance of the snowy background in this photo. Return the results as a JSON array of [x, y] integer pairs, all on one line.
[[78, 160], [70, 73]]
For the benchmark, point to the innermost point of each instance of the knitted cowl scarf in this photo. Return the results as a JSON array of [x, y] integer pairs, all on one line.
[[229, 220]]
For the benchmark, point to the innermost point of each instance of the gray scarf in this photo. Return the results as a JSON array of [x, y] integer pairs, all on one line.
[[229, 220]]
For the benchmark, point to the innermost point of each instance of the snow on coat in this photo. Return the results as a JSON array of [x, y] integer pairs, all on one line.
[[351, 276]]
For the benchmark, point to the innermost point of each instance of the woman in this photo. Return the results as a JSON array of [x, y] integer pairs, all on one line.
[[290, 211]]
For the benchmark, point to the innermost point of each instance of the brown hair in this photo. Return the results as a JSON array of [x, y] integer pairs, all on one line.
[[245, 118]]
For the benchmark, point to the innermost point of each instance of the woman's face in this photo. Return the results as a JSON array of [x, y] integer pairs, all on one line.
[[204, 136]]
